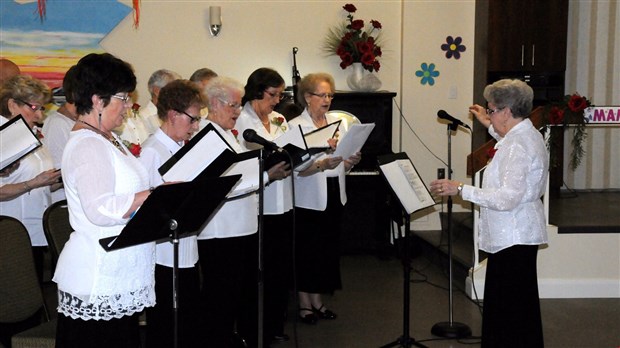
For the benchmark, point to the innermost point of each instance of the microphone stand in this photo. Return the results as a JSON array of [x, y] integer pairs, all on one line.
[[174, 239], [450, 329], [261, 285]]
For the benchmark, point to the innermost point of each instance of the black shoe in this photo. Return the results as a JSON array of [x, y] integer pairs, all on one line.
[[309, 318], [324, 313], [280, 338]]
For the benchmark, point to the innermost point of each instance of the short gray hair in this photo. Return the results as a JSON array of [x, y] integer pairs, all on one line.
[[202, 74], [160, 78], [220, 87], [513, 94]]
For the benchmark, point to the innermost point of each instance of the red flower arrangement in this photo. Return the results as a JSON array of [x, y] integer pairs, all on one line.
[[353, 44], [235, 133], [569, 112]]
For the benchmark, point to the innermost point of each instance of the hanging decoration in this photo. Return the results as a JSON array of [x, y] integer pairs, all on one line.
[[136, 13], [41, 9]]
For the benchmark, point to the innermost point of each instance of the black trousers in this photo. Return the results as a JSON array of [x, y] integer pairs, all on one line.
[[277, 271], [114, 333], [160, 319], [511, 316], [229, 292]]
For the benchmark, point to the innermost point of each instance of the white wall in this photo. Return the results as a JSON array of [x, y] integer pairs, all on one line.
[[254, 34]]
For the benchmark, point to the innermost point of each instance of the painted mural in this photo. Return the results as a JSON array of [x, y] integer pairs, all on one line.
[[46, 48]]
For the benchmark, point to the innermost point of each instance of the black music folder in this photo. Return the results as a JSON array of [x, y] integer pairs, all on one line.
[[16, 141], [190, 204], [405, 182]]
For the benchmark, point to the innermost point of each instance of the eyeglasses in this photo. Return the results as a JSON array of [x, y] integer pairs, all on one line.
[[492, 111], [192, 119], [275, 95], [31, 106], [231, 105], [124, 98], [323, 95]]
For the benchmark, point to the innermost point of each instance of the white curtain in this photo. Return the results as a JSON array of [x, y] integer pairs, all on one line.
[[593, 70]]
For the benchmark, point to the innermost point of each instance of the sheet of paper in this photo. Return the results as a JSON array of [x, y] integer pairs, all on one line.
[[318, 138], [353, 140], [16, 140], [197, 159], [249, 182], [406, 183], [293, 136]]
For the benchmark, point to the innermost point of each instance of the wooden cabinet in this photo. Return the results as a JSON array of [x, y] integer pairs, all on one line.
[[366, 216], [527, 35]]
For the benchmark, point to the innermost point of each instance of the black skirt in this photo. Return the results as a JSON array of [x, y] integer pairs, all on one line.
[[317, 245]]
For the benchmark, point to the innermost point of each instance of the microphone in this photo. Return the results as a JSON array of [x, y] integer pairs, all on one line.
[[250, 136], [445, 116]]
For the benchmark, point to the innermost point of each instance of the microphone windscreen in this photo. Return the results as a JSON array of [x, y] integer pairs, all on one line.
[[249, 135]]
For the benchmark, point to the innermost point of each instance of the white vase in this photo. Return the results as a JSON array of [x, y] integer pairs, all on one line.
[[362, 80]]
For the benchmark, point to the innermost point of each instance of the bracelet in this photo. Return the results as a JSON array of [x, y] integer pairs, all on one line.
[[27, 187], [460, 189], [318, 166], [151, 189]]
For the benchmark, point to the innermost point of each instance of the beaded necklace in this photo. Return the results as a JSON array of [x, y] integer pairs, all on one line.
[[109, 138]]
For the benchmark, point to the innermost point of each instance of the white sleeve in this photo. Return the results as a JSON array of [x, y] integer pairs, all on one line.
[[151, 160], [95, 176]]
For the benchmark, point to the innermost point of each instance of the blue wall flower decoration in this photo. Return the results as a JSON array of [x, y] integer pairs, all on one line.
[[453, 47], [427, 74]]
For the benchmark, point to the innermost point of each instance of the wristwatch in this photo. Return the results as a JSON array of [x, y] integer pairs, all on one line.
[[460, 188]]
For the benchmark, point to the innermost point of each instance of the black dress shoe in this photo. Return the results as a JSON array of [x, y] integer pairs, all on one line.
[[280, 338], [309, 318], [324, 313]]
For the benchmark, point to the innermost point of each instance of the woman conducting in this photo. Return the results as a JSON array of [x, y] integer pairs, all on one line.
[[100, 294], [26, 191], [263, 91], [178, 107], [319, 196], [512, 216]]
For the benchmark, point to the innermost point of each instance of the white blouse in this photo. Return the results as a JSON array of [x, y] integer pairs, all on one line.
[[156, 150], [278, 198], [100, 184], [56, 131], [311, 190], [238, 216], [511, 210], [30, 206]]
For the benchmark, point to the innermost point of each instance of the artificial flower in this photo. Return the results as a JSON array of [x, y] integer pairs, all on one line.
[[353, 44]]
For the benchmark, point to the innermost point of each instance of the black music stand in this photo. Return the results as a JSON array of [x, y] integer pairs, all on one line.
[[172, 212], [405, 340]]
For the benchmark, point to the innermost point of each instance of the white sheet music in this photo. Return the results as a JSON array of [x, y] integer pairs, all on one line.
[[353, 140], [406, 183], [294, 136], [16, 140], [318, 138], [249, 182], [197, 159]]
